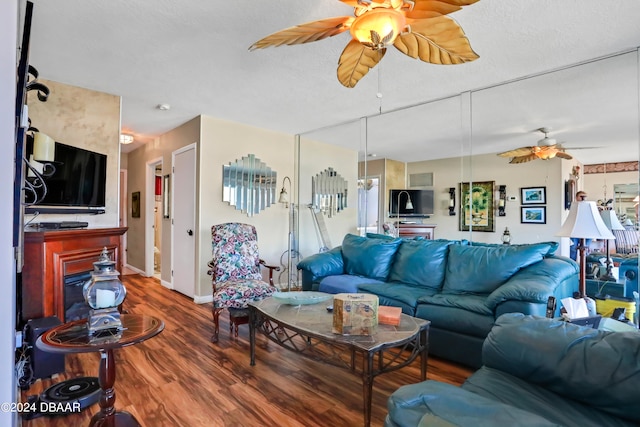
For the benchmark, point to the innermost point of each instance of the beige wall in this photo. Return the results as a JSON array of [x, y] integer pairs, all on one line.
[[224, 142], [490, 167], [86, 119], [159, 149]]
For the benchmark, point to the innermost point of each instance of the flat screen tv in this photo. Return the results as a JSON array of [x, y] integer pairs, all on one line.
[[79, 179], [422, 201]]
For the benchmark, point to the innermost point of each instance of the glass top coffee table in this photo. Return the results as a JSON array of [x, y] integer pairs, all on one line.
[[306, 329]]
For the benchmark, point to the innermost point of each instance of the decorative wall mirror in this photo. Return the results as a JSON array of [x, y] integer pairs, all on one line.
[[626, 203], [249, 185], [329, 192]]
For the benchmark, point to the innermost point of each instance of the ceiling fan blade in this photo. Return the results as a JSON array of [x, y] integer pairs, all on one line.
[[523, 159], [355, 62], [518, 152], [451, 2], [564, 155], [430, 9], [437, 41], [306, 33]]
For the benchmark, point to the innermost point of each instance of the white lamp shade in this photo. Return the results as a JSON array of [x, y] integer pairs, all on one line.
[[611, 220], [284, 196], [409, 205], [584, 222]]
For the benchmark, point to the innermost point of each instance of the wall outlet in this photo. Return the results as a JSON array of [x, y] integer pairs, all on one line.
[[512, 198]]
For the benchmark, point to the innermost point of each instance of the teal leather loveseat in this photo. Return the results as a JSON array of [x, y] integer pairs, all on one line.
[[537, 372], [460, 287]]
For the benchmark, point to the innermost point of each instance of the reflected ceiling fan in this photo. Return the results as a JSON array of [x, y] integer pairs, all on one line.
[[547, 148], [417, 28]]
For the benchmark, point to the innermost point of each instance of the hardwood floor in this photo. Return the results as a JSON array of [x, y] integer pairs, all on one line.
[[180, 378]]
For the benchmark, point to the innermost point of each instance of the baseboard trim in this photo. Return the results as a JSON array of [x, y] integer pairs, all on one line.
[[203, 299], [137, 270]]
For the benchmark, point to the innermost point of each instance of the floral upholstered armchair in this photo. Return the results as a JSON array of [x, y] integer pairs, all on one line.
[[235, 271]]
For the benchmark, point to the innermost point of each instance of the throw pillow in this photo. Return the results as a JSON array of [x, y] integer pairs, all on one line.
[[421, 263], [368, 257], [482, 269]]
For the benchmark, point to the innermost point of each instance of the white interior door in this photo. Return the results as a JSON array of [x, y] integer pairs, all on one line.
[[183, 194]]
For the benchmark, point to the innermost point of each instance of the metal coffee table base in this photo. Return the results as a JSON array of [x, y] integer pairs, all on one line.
[[344, 352]]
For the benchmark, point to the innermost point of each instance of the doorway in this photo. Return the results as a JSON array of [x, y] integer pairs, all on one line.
[[157, 224], [153, 224], [368, 205], [123, 214]]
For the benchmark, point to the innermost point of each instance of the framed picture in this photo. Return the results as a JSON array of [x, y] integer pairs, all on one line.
[[476, 206], [569, 192], [533, 214], [534, 195], [165, 196], [135, 204]]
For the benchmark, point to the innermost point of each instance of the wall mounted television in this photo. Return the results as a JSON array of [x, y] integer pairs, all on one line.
[[79, 180], [422, 201]]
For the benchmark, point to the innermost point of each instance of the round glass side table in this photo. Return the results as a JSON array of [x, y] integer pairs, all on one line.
[[74, 337]]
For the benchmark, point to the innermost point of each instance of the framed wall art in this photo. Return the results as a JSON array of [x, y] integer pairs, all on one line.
[[569, 191], [476, 206], [534, 195], [533, 214], [135, 204]]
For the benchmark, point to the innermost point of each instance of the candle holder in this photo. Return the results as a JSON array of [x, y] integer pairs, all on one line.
[[452, 201], [104, 293], [502, 190]]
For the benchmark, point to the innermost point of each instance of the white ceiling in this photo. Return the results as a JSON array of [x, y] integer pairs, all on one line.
[[193, 55]]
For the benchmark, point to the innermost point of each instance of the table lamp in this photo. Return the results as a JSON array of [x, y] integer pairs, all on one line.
[[584, 222], [610, 219]]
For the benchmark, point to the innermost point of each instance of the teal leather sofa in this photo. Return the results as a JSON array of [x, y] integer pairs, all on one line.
[[536, 372], [460, 287]]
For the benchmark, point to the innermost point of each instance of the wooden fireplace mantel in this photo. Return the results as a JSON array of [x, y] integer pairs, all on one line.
[[51, 255]]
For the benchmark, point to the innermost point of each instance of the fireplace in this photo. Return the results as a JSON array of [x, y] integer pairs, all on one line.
[[75, 307]]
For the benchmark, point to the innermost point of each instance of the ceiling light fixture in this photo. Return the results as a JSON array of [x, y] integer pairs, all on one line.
[[163, 107], [418, 29], [126, 139]]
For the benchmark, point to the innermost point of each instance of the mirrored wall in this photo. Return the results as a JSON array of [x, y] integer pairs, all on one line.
[[591, 109]]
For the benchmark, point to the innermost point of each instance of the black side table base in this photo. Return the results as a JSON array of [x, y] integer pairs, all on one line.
[[120, 419]]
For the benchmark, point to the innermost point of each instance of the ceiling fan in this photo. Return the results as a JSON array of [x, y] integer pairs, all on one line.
[[546, 148], [417, 28]]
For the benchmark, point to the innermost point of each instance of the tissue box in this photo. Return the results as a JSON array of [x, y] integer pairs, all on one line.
[[355, 314]]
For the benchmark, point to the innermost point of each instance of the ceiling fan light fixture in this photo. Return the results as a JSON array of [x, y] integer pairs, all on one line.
[[378, 27]]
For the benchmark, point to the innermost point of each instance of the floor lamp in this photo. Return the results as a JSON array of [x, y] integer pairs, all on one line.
[[407, 206], [610, 219], [584, 222], [284, 198]]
